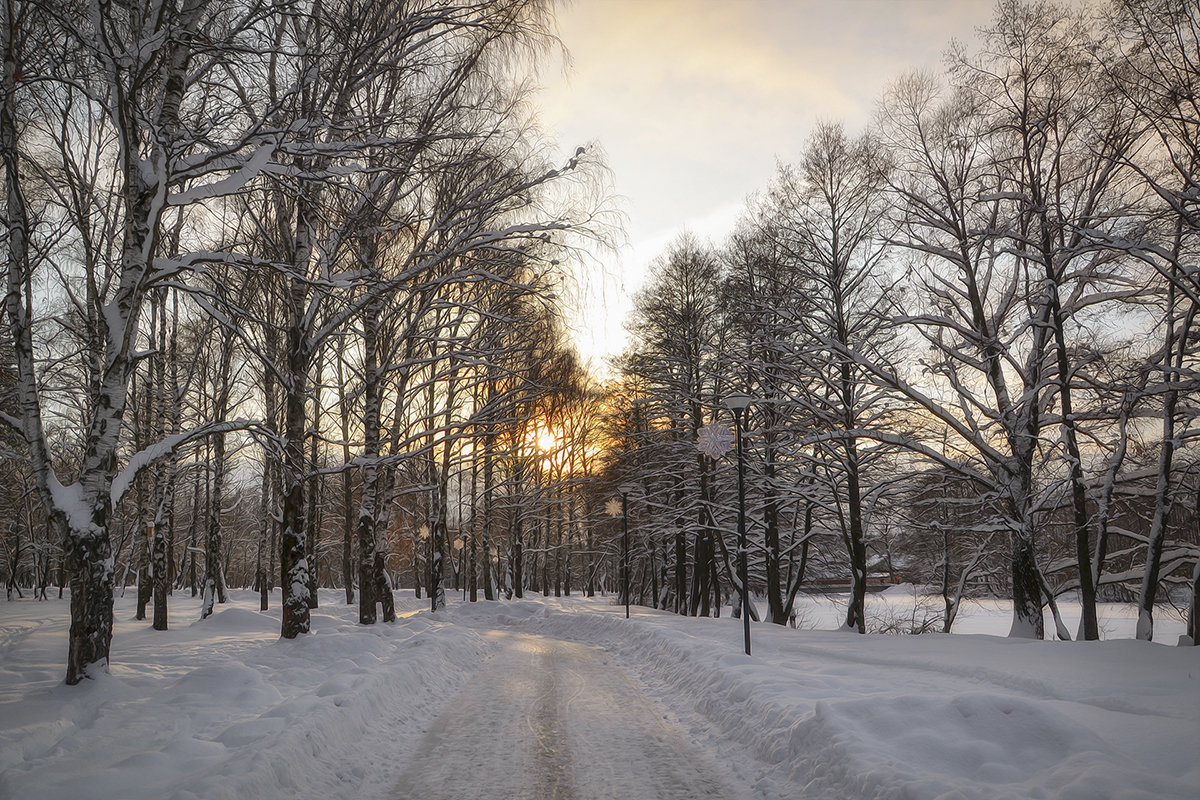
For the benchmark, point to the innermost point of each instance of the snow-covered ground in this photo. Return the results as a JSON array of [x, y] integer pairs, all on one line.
[[222, 708]]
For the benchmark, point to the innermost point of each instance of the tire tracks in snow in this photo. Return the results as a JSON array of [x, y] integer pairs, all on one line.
[[550, 719]]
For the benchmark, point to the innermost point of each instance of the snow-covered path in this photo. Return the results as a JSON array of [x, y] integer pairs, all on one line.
[[547, 719]]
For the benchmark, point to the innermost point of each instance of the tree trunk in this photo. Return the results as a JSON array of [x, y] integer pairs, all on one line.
[[437, 550], [796, 573], [313, 515], [383, 587], [158, 570], [1083, 555], [88, 556], [366, 550], [193, 528], [418, 545], [214, 577], [1194, 607], [348, 537], [472, 555], [1174, 353], [489, 589], [144, 579], [141, 412], [266, 506], [856, 614], [368, 512], [348, 566], [518, 542], [590, 582], [1158, 524], [1026, 589], [293, 561], [700, 590], [775, 589]]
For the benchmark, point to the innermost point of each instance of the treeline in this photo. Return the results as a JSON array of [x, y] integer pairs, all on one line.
[[281, 301], [969, 336]]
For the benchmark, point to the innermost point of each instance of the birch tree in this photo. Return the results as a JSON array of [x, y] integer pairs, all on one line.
[[342, 147], [132, 68]]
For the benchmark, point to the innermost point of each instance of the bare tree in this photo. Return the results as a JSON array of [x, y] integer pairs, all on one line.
[[973, 322], [106, 70], [763, 300], [672, 360], [1155, 63], [827, 217]]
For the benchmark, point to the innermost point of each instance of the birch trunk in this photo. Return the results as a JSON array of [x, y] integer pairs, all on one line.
[[293, 561], [368, 511]]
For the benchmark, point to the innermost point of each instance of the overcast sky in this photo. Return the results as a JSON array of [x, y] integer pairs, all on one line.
[[693, 101]]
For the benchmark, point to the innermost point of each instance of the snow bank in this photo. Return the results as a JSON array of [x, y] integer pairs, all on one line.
[[222, 707]]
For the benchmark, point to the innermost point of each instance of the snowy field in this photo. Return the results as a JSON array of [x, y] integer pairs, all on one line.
[[222, 708]]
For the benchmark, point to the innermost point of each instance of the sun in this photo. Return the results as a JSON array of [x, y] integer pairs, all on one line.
[[547, 442]]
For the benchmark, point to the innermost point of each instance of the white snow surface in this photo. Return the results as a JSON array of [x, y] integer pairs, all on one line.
[[569, 692]]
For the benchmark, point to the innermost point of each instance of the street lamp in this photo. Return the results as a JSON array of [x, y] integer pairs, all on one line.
[[738, 402], [625, 489]]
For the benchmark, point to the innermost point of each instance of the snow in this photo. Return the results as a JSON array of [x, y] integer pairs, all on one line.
[[163, 448], [224, 708], [231, 184], [560, 716]]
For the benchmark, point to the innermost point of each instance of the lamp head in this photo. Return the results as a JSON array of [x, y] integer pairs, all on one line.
[[738, 401]]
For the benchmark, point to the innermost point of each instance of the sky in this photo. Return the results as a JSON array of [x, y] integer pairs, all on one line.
[[693, 102]]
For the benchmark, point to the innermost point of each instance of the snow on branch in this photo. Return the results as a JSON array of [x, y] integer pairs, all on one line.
[[234, 183], [165, 447]]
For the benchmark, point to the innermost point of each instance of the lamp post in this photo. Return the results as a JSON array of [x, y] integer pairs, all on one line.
[[625, 489], [738, 403], [460, 548]]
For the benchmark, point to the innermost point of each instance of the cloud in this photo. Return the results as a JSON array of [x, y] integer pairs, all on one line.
[[693, 100]]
